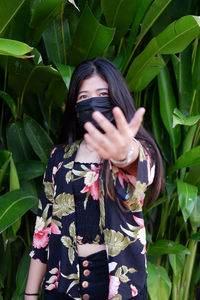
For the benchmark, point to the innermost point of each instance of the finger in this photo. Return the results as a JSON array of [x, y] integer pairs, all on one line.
[[103, 153], [105, 124], [136, 121], [99, 139], [121, 121]]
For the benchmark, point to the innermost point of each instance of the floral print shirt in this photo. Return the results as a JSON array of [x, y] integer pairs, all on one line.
[[86, 195], [55, 240]]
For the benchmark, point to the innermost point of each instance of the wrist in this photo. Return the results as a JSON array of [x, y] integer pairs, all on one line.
[[131, 156]]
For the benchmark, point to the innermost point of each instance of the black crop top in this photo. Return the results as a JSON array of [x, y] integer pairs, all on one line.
[[86, 195]]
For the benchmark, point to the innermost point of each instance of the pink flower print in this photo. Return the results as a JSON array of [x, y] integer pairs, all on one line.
[[55, 170], [41, 234], [122, 177], [113, 286], [32, 253], [52, 152], [53, 280], [91, 182], [54, 228], [141, 233], [139, 221], [134, 290]]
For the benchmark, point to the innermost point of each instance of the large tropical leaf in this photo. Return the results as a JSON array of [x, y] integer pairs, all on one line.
[[153, 13], [14, 180], [182, 65], [188, 159], [30, 169], [65, 72], [13, 205], [10, 102], [158, 282], [167, 106], [21, 276], [18, 143], [144, 5], [91, 38], [43, 13], [195, 215], [159, 130], [119, 15], [38, 138], [14, 48], [163, 246], [174, 39], [4, 161], [196, 73], [9, 9], [187, 196]]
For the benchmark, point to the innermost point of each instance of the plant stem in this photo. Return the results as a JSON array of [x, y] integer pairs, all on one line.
[[187, 273], [62, 32]]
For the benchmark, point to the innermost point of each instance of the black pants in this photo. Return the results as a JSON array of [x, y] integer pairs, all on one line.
[[94, 280]]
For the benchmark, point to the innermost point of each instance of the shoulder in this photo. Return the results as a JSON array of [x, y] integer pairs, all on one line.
[[56, 154]]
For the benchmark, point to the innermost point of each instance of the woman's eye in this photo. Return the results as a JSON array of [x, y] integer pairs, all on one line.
[[104, 94], [82, 97]]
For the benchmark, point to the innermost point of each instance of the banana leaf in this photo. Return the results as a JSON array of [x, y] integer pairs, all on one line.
[[174, 39]]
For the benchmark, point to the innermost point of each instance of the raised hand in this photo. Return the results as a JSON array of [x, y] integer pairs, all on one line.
[[115, 143]]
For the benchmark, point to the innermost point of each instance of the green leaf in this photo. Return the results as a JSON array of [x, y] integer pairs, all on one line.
[[30, 169], [9, 9], [185, 89], [177, 263], [38, 138], [4, 161], [195, 215], [155, 10], [13, 205], [21, 276], [14, 48], [119, 15], [14, 180], [167, 106], [18, 143], [65, 72], [175, 38], [196, 237], [44, 12], [159, 130], [144, 4], [188, 159], [196, 68], [179, 118], [10, 102], [158, 282], [54, 43], [91, 38], [187, 195], [163, 246]]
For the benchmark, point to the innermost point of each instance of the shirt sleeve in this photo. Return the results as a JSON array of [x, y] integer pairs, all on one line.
[[43, 220], [130, 188]]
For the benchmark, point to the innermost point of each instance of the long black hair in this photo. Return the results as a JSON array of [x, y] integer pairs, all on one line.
[[120, 96]]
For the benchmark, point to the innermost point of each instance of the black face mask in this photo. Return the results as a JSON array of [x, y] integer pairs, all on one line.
[[84, 110]]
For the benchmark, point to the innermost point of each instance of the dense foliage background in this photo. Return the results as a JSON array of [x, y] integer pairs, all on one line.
[[156, 46]]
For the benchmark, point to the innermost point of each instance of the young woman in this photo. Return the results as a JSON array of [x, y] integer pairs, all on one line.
[[89, 238]]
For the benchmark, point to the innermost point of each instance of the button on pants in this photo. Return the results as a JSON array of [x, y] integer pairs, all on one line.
[[94, 278]]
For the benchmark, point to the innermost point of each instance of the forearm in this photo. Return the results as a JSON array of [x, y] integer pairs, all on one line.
[[36, 273]]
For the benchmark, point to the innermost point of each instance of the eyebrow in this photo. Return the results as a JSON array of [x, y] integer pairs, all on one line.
[[81, 92]]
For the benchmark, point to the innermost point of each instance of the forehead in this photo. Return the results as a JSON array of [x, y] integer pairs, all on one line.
[[92, 83]]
